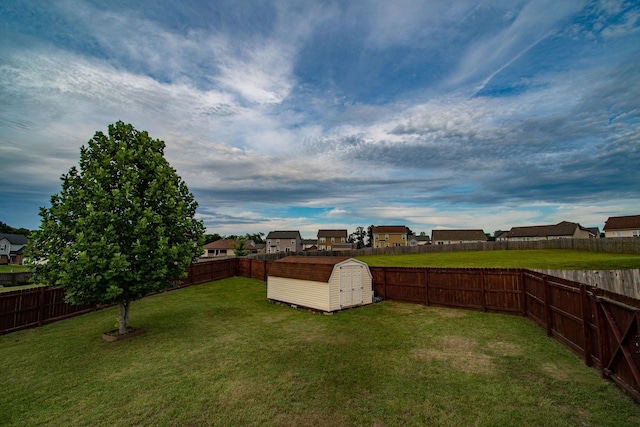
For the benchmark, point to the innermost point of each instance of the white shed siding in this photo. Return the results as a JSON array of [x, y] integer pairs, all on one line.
[[294, 291]]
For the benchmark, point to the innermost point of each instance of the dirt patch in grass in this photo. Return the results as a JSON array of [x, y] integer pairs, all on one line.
[[461, 354], [555, 371], [505, 349], [448, 313]]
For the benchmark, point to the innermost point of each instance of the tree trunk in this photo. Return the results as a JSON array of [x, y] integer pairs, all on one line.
[[123, 317]]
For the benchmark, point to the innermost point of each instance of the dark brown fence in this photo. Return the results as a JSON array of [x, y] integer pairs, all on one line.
[[492, 290], [29, 308]]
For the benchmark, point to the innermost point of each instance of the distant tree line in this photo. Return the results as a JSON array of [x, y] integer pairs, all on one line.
[[7, 229]]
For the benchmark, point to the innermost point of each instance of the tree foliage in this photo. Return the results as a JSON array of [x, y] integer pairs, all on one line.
[[5, 228], [240, 247], [123, 224], [358, 237]]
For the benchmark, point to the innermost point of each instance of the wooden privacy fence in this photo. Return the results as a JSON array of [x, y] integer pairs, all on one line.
[[29, 308], [601, 326]]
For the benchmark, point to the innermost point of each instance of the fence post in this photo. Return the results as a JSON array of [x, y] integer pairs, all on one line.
[[603, 337], [585, 325], [547, 304]]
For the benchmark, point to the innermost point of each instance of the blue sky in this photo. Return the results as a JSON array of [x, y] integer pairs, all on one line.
[[302, 115]]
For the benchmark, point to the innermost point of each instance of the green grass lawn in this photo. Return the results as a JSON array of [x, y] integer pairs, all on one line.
[[555, 259], [220, 354]]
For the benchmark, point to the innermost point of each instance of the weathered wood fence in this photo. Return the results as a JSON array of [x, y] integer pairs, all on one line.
[[601, 326]]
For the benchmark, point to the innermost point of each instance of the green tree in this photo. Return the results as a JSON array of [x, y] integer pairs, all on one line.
[[239, 247], [122, 226], [370, 235], [358, 237]]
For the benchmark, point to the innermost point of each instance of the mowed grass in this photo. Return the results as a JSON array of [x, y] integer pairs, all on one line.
[[555, 259], [221, 354]]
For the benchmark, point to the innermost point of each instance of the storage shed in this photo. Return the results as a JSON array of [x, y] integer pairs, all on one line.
[[321, 283]]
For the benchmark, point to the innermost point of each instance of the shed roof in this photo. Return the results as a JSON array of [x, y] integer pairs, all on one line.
[[316, 269], [622, 222]]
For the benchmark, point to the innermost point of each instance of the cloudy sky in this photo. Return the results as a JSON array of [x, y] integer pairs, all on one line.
[[299, 115]]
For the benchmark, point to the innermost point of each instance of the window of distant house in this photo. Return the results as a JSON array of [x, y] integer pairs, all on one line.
[[322, 247], [386, 237], [441, 243], [323, 239], [377, 245], [328, 248], [342, 239], [3, 247], [404, 237], [618, 234], [526, 239], [333, 240], [269, 242], [376, 236], [278, 242], [287, 249], [293, 242], [397, 244], [386, 245], [636, 233]]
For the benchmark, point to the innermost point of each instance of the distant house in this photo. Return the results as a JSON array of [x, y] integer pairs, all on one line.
[[561, 230], [419, 240], [385, 236], [452, 237], [622, 226], [11, 247], [284, 241], [226, 248], [309, 244], [499, 235], [327, 239]]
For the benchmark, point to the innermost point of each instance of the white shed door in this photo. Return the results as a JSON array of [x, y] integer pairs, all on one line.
[[350, 285]]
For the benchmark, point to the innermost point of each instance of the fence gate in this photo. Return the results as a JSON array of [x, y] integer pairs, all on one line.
[[619, 329]]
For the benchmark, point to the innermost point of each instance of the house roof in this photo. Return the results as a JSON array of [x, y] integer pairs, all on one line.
[[284, 235], [563, 228], [332, 233], [309, 241], [420, 238], [316, 269], [226, 244], [622, 223], [458, 235], [393, 229], [14, 239]]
